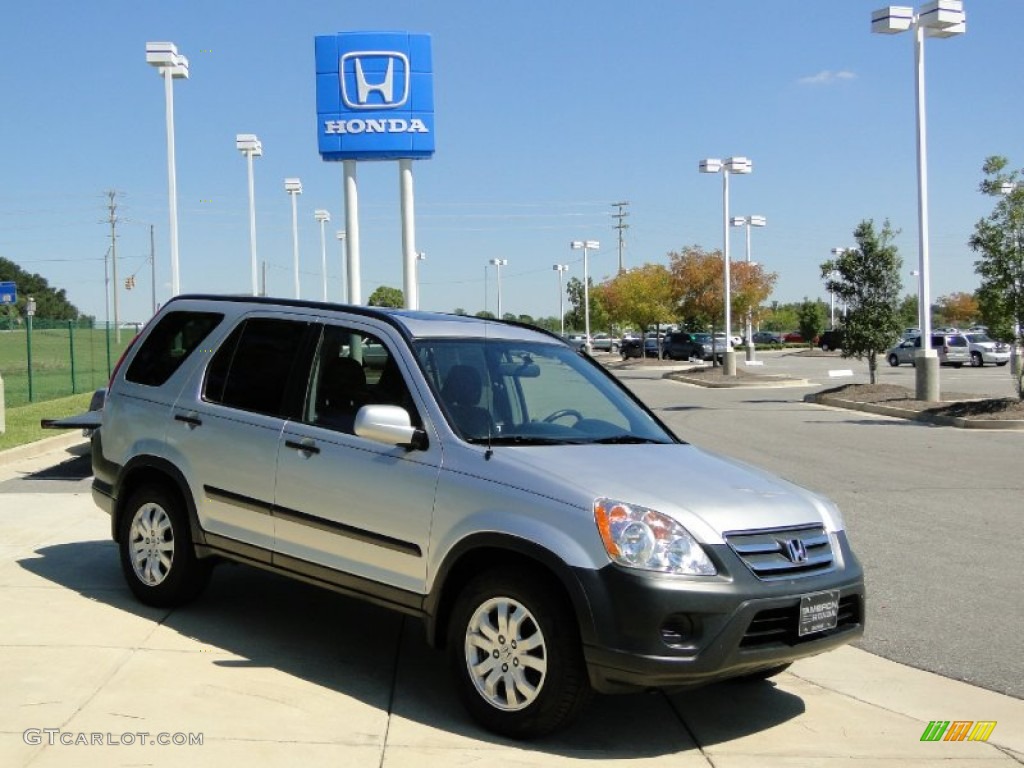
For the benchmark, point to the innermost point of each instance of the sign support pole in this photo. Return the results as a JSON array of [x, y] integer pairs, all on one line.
[[412, 299], [355, 289]]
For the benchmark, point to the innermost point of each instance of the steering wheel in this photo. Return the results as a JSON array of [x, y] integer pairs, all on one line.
[[564, 412]]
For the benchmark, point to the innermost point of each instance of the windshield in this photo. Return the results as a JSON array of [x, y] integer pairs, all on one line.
[[978, 337], [531, 393]]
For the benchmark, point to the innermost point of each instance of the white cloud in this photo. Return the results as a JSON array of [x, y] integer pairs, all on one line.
[[827, 77]]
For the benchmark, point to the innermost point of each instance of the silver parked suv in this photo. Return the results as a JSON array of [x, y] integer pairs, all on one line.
[[468, 473]]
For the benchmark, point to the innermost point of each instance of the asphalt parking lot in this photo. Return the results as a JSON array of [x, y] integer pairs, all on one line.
[[267, 671]]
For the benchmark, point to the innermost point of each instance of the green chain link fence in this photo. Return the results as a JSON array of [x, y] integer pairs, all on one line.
[[67, 358]]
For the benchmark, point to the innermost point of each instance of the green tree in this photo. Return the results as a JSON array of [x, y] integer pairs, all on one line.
[[867, 280], [810, 317], [641, 296], [485, 314], [907, 310], [999, 239], [386, 296], [574, 318], [51, 303]]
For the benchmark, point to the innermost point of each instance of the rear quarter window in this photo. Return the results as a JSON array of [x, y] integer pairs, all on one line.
[[176, 336]]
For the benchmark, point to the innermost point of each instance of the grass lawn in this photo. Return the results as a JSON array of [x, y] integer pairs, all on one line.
[[23, 421]]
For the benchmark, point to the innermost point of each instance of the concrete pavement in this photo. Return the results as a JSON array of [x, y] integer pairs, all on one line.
[[265, 671]]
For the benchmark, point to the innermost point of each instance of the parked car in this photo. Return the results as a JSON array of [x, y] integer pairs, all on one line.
[[952, 350], [681, 345], [910, 333], [603, 342], [577, 340], [984, 349], [767, 337], [793, 337], [472, 480], [830, 340]]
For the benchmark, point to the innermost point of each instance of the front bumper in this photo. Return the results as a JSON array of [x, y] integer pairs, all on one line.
[[654, 631]]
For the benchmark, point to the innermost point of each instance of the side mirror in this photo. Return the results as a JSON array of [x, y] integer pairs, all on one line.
[[390, 425]]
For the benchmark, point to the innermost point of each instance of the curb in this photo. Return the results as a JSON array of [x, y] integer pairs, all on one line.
[[39, 447], [762, 381], [926, 418]]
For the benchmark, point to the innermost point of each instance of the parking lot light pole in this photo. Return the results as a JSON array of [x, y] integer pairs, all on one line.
[[323, 217], [251, 147], [498, 264], [294, 188], [560, 268], [586, 246], [170, 65], [836, 252], [940, 18], [420, 258], [726, 167], [748, 222]]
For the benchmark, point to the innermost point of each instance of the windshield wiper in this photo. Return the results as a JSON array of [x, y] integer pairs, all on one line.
[[627, 440], [520, 440]]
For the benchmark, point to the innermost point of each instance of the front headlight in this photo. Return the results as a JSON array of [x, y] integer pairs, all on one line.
[[638, 537]]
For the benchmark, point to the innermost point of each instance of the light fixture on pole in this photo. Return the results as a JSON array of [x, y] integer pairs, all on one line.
[[560, 268], [344, 277], [323, 217], [420, 256], [586, 246], [498, 264], [170, 65], [725, 167], [294, 188], [748, 222], [251, 147], [940, 18]]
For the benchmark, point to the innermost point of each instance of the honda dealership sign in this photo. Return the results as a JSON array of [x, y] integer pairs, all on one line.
[[374, 96]]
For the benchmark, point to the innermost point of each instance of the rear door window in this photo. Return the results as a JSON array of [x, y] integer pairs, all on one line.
[[252, 369], [176, 336]]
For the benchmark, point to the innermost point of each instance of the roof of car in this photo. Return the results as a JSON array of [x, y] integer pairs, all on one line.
[[415, 324]]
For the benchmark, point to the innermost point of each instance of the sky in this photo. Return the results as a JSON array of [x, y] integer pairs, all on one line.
[[546, 114]]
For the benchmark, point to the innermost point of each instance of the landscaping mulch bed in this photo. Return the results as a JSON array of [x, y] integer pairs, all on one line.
[[954, 404]]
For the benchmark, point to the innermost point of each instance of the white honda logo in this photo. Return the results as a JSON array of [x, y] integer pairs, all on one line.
[[366, 64]]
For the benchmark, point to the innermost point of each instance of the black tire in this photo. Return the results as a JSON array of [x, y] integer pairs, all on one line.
[[893, 360], [552, 677], [958, 365], [158, 558], [763, 674], [1002, 363], [976, 360]]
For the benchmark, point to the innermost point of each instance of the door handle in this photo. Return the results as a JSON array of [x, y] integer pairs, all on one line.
[[188, 419], [306, 446]]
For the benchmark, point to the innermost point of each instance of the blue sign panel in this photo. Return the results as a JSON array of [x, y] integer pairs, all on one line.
[[8, 293], [374, 96]]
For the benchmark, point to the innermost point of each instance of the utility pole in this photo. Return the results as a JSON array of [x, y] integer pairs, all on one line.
[[112, 208], [622, 226], [152, 263]]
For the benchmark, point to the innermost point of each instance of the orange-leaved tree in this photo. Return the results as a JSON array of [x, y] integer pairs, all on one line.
[[698, 285]]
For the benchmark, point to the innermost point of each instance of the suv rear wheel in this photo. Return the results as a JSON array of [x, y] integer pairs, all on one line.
[[157, 556], [515, 653]]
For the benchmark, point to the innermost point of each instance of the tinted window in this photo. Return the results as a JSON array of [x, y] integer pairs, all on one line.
[[957, 341], [169, 344], [251, 369]]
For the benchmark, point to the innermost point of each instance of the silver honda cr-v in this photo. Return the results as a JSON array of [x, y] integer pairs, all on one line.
[[469, 473]]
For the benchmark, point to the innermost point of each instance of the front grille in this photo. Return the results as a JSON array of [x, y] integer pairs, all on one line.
[[780, 625], [783, 553]]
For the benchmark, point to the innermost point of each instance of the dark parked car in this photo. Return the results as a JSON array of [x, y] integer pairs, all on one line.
[[831, 339], [685, 346]]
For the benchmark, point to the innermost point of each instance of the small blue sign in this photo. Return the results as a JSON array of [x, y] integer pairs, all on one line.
[[374, 96], [8, 293]]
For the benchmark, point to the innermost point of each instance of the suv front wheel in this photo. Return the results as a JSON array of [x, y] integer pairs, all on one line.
[[515, 653], [157, 556]]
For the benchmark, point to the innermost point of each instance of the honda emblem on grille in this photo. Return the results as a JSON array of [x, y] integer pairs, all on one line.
[[796, 551]]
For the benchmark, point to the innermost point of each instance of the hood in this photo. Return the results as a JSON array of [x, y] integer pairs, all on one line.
[[707, 493]]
